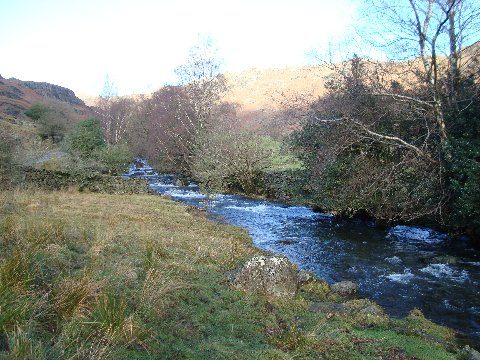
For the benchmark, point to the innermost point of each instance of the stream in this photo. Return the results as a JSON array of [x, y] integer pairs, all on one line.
[[400, 268]]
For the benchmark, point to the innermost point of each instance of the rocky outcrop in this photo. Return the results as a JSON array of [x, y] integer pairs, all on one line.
[[12, 92], [471, 353], [54, 91], [11, 109], [269, 275], [16, 96]]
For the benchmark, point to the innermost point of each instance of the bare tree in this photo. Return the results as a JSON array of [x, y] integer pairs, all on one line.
[[115, 113], [429, 37], [170, 131], [202, 80], [381, 138], [435, 32], [181, 114]]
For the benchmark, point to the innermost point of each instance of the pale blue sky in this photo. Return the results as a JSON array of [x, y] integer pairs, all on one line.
[[139, 42]]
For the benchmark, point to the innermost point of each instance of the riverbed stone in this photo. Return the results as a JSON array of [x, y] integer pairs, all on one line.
[[269, 275], [305, 277], [345, 288], [445, 259], [286, 242]]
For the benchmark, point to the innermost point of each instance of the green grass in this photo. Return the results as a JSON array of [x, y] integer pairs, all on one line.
[[89, 276], [281, 159]]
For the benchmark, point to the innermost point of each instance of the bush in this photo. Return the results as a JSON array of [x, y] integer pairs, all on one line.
[[462, 167], [114, 158], [85, 138], [51, 122], [51, 126], [228, 160], [36, 111], [464, 177]]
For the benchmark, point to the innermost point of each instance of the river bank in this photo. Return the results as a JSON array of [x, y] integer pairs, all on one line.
[[139, 276], [400, 267]]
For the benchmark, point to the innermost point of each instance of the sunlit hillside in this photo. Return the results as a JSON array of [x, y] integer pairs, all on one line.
[[257, 89], [16, 96]]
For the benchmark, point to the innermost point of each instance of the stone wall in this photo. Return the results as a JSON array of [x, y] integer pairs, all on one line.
[[56, 180]]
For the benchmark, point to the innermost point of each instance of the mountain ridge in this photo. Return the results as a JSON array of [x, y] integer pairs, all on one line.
[[16, 96]]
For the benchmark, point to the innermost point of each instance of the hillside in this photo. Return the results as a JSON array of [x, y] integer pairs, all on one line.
[[262, 89], [16, 96]]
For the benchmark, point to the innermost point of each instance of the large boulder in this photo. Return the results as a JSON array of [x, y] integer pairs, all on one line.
[[345, 288], [305, 277], [269, 275]]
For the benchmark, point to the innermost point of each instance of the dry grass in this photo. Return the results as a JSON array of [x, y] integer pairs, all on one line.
[[107, 265]]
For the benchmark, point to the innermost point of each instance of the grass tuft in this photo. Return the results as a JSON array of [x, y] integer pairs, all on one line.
[[73, 298], [22, 345]]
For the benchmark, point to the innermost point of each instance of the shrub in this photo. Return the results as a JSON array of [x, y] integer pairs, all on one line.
[[464, 175], [51, 122], [52, 126], [114, 158], [85, 138], [36, 111], [225, 160]]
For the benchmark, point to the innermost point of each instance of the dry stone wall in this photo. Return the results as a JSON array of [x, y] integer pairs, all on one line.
[[56, 180]]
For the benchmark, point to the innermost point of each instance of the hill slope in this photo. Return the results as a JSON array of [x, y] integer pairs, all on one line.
[[16, 96], [262, 89]]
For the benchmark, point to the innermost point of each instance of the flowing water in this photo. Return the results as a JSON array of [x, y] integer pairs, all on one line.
[[400, 268]]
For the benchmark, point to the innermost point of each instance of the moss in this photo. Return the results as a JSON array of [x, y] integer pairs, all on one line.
[[416, 323], [318, 290]]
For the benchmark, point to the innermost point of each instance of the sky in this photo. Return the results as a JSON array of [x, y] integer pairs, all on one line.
[[138, 43]]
